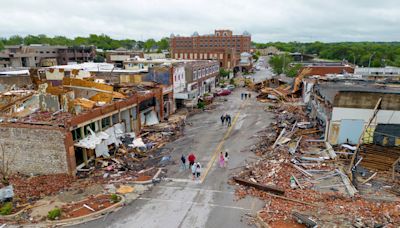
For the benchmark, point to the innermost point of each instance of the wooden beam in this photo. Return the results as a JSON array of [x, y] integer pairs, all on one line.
[[302, 170], [297, 181], [394, 167], [279, 137], [266, 188], [87, 88], [85, 157], [353, 158], [369, 178]]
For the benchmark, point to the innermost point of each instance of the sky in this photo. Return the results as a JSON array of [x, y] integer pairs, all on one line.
[[266, 20]]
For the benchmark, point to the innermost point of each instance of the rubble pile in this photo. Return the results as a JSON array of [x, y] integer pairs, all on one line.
[[134, 155], [307, 169], [29, 189]]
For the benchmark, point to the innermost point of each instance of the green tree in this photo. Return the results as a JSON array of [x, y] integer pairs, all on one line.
[[14, 40], [280, 63], [149, 44], [223, 73], [163, 44], [293, 70]]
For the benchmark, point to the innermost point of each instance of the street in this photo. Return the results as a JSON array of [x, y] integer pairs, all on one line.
[[209, 201], [264, 72]]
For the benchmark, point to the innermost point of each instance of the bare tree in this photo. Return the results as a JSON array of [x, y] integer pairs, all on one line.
[[4, 167]]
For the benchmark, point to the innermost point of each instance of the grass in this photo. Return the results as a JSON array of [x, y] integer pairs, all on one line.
[[54, 214], [6, 209]]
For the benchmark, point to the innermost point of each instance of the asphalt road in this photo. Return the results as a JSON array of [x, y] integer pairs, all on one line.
[[264, 72], [210, 201]]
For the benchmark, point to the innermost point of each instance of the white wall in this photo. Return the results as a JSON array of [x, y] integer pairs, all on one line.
[[179, 79], [383, 116]]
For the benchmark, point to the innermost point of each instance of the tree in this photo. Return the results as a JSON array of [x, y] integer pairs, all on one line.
[[149, 44], [14, 40], [163, 44], [293, 70], [223, 73], [5, 170], [280, 63]]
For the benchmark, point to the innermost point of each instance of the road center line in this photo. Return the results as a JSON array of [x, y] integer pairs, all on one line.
[[218, 149], [196, 189]]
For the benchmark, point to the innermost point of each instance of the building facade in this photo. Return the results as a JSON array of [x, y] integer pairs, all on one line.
[[222, 46], [16, 56], [200, 78], [118, 56]]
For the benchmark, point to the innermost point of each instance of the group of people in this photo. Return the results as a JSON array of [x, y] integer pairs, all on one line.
[[223, 159], [227, 118], [245, 95], [194, 166]]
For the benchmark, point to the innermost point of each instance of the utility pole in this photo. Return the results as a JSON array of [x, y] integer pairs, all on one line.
[[369, 62]]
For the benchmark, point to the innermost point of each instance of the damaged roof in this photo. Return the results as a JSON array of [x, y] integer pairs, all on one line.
[[329, 89]]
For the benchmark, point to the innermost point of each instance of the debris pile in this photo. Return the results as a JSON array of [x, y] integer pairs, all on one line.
[[29, 189], [312, 177]]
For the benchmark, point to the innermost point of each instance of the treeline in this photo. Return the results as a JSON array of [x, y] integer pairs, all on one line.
[[100, 41], [381, 53]]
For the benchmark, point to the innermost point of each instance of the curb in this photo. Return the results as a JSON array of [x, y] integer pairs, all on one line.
[[88, 217], [148, 181], [261, 221]]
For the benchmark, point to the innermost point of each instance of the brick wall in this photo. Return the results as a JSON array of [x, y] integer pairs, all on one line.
[[38, 150]]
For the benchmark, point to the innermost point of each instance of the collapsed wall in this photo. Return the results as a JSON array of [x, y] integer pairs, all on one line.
[[33, 149]]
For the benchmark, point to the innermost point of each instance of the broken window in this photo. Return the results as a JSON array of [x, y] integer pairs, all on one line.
[[92, 126], [115, 118], [105, 123], [76, 134]]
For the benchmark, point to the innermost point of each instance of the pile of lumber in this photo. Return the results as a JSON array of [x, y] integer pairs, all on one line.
[[379, 157]]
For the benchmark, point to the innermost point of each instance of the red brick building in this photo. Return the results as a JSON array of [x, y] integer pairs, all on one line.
[[222, 46]]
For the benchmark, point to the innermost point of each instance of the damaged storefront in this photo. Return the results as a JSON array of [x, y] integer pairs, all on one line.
[[67, 123]]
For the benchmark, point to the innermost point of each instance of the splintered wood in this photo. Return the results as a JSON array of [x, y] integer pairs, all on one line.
[[321, 194]]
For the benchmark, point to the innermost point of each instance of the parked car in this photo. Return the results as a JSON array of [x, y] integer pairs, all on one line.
[[224, 92], [230, 87]]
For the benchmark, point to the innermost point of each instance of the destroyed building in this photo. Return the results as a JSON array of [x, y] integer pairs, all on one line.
[[67, 121], [354, 109], [15, 78], [36, 55]]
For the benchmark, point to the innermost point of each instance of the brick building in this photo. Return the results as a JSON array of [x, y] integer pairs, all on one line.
[[58, 129], [222, 46], [40, 55]]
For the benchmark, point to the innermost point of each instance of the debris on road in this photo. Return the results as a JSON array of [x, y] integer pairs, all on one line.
[[292, 153]]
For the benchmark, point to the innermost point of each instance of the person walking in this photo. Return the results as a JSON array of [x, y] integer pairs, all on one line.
[[221, 160], [245, 96], [226, 158], [223, 119], [241, 96], [194, 170], [198, 170], [183, 164], [191, 159], [249, 95], [228, 120]]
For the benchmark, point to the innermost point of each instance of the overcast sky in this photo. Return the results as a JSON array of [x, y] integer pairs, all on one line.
[[266, 20]]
